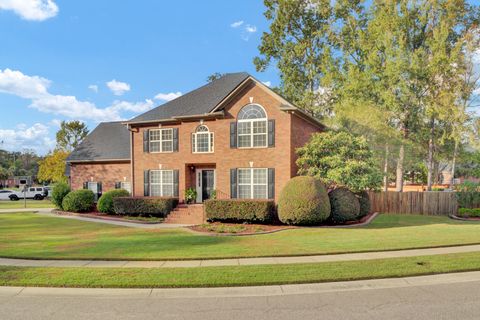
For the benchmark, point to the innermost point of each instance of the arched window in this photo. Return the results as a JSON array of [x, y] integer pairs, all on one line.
[[202, 140], [252, 127]]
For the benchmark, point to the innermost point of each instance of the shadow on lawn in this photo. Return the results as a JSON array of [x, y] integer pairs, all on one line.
[[384, 221]]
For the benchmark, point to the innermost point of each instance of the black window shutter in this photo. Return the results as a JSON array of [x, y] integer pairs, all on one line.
[[85, 185], [271, 133], [271, 183], [233, 134], [118, 185], [146, 183], [175, 183], [175, 139], [233, 183], [99, 188], [146, 141]]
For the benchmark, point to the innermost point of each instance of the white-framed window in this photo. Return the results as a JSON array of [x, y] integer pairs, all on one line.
[[126, 186], [252, 127], [161, 140], [161, 183], [202, 140], [252, 183], [93, 186]]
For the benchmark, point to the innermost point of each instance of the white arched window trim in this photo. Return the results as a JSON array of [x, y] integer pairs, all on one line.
[[252, 127], [202, 140]]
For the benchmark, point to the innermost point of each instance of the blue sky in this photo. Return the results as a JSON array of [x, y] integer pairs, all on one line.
[[109, 60]]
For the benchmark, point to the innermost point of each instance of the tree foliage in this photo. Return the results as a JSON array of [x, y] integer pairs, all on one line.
[[70, 135], [340, 159], [52, 167]]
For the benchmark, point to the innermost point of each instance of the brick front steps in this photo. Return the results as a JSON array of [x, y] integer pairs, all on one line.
[[186, 214]]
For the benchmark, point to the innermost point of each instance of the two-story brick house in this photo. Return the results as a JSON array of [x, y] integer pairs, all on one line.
[[234, 137]]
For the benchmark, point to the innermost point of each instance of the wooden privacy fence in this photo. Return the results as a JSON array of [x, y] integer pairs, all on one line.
[[435, 203]]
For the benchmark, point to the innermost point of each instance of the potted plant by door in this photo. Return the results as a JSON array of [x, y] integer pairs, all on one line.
[[190, 195]]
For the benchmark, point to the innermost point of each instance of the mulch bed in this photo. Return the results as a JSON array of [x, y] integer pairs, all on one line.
[[103, 216], [252, 229], [464, 218]]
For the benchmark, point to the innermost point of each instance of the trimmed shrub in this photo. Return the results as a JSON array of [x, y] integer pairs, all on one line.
[[105, 203], [364, 201], [469, 212], [240, 210], [59, 191], [79, 201], [144, 206], [303, 201], [345, 205]]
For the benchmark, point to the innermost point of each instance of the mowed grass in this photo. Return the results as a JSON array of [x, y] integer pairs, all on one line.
[[7, 204], [237, 275], [26, 235]]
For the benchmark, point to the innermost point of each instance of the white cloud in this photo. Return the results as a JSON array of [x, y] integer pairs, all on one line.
[[36, 10], [93, 87], [35, 137], [118, 88], [136, 107], [250, 28], [267, 83], [236, 24], [168, 96], [29, 87], [35, 89]]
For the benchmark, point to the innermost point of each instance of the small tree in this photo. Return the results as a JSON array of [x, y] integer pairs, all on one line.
[[52, 168], [340, 159]]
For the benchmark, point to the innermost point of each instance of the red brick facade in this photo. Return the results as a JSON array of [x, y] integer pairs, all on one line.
[[290, 132], [108, 173]]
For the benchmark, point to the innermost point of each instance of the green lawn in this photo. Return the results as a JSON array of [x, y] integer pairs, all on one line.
[[33, 236], [238, 275], [7, 204]]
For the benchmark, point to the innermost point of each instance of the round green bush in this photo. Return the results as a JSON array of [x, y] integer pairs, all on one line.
[[364, 201], [59, 191], [345, 205], [79, 201], [105, 203], [303, 201]]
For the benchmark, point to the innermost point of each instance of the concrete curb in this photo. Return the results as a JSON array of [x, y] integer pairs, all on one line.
[[257, 291]]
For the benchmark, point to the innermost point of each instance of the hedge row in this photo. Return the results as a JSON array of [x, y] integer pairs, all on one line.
[[240, 210], [144, 206], [469, 212]]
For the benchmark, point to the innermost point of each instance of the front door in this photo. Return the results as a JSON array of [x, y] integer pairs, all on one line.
[[205, 184]]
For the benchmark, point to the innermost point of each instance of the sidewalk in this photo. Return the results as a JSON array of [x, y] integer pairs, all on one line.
[[238, 262], [48, 212]]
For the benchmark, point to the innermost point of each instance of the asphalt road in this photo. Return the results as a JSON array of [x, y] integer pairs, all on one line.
[[448, 300]]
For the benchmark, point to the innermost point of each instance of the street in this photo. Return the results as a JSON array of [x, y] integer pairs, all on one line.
[[433, 297]]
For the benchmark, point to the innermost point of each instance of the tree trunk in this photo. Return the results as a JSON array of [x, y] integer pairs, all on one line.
[[454, 160], [431, 147], [399, 181], [385, 170]]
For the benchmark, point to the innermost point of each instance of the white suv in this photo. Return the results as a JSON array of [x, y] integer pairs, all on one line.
[[35, 193]]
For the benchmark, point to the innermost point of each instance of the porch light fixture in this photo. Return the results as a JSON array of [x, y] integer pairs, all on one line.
[[192, 168]]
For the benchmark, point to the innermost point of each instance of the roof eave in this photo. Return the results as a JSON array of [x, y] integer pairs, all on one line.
[[97, 160], [218, 114]]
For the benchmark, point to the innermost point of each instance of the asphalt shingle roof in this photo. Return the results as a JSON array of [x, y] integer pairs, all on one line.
[[109, 140], [199, 101]]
